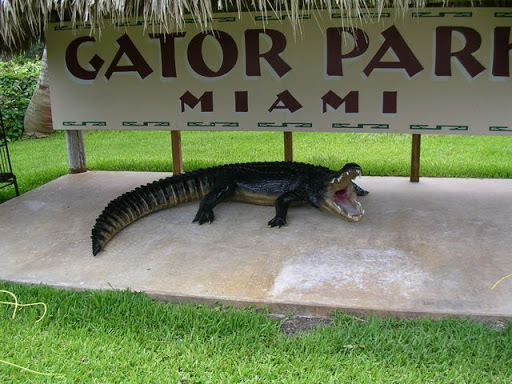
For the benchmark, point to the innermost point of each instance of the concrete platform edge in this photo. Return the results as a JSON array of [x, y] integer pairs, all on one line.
[[285, 308]]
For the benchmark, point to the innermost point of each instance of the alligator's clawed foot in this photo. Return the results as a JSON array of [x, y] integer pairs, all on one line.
[[277, 222], [203, 216], [360, 191]]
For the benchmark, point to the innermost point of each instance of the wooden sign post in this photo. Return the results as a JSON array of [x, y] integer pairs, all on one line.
[[415, 158], [177, 154]]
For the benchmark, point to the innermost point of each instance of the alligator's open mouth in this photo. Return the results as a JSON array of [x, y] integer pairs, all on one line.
[[341, 196], [346, 204]]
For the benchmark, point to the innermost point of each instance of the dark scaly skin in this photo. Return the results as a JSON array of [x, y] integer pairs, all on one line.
[[268, 183]]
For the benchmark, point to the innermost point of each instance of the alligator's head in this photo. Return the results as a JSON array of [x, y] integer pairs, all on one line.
[[340, 196]]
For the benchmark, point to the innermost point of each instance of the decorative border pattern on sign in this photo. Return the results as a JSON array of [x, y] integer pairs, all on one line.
[[84, 124], [439, 127], [360, 126]]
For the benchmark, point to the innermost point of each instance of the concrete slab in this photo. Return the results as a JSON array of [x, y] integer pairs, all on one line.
[[436, 247]]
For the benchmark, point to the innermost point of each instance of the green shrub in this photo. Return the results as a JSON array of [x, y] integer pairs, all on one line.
[[18, 78]]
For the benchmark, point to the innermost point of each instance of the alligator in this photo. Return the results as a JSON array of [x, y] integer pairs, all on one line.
[[266, 183]]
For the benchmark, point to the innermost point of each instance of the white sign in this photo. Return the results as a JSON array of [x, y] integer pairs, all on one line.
[[443, 71]]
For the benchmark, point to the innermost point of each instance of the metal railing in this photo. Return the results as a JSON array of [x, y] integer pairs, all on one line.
[[6, 176]]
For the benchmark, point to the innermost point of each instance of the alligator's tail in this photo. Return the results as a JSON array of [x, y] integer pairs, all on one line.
[[144, 200]]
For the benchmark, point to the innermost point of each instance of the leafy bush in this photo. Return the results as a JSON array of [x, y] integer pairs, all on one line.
[[18, 78]]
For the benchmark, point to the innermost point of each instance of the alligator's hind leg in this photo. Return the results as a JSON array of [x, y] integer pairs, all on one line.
[[205, 212], [359, 191]]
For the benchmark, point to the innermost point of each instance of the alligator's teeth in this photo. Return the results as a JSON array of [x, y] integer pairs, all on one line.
[[346, 173]]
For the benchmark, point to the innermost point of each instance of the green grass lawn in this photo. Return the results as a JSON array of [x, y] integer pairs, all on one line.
[[123, 337], [36, 162]]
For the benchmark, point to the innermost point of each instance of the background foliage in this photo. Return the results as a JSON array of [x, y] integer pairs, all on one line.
[[18, 77]]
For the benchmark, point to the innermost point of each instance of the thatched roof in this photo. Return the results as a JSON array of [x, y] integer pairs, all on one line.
[[22, 21]]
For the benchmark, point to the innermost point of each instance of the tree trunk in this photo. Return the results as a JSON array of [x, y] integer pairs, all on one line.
[[38, 117]]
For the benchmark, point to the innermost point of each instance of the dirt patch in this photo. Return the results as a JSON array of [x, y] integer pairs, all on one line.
[[296, 325], [293, 325]]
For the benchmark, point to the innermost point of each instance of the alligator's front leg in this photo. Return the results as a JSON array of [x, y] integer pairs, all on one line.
[[205, 211], [282, 204], [359, 191]]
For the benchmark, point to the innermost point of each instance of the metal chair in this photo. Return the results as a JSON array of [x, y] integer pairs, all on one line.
[[6, 176]]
